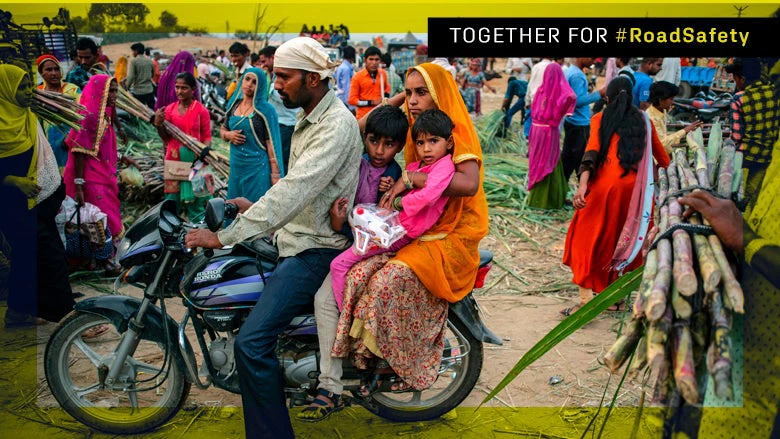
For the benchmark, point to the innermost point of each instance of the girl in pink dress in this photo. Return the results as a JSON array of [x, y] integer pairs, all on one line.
[[420, 207]]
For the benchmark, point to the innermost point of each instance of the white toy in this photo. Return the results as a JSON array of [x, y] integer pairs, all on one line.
[[374, 227]]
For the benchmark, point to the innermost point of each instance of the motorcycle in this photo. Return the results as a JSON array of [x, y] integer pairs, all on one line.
[[138, 376], [708, 108]]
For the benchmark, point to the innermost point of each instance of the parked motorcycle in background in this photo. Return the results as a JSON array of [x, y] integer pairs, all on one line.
[[138, 376]]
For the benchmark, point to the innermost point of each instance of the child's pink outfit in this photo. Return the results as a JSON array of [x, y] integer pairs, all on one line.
[[422, 207]]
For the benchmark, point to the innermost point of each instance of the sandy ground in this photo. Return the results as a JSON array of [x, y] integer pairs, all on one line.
[[525, 290]]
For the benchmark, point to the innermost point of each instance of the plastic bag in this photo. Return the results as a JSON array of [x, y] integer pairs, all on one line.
[[131, 176], [202, 179], [374, 227]]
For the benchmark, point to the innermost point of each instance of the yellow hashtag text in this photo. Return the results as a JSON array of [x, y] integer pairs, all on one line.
[[689, 35]]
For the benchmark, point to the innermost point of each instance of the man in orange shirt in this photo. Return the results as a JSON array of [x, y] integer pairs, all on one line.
[[365, 93]]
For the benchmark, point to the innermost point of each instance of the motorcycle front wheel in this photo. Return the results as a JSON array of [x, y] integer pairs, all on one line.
[[140, 400]]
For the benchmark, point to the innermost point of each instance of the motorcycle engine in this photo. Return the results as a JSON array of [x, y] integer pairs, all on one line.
[[221, 353], [300, 370]]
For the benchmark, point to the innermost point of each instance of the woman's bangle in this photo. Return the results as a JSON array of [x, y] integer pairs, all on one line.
[[79, 181], [397, 204], [407, 181]]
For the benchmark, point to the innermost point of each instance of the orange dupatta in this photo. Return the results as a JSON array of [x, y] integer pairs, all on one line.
[[446, 258]]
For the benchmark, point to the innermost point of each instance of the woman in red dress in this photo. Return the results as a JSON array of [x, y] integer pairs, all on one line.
[[608, 176]]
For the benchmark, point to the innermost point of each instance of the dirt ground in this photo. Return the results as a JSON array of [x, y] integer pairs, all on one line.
[[524, 292]]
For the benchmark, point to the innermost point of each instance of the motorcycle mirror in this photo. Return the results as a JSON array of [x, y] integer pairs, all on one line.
[[215, 213]]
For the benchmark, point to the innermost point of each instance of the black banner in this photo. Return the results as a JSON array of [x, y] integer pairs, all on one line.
[[560, 37]]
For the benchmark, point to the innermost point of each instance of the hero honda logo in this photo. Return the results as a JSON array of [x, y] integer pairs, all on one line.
[[211, 275]]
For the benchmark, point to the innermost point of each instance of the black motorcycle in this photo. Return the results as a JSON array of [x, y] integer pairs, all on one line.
[[138, 375]]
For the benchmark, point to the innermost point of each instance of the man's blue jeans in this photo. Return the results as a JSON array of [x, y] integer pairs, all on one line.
[[289, 291], [519, 105]]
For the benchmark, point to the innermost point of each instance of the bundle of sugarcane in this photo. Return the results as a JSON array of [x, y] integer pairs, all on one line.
[[494, 138], [128, 103], [57, 108], [688, 289]]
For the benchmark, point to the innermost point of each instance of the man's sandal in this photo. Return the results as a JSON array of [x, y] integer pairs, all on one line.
[[320, 409]]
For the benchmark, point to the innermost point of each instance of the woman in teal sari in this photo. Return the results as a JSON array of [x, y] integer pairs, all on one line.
[[252, 128]]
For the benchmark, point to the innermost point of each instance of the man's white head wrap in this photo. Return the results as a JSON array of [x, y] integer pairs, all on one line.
[[304, 53]]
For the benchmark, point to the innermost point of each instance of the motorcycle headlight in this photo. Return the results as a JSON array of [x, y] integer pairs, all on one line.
[[124, 246]]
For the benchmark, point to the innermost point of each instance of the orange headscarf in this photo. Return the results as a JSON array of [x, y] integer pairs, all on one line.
[[120, 70], [446, 258]]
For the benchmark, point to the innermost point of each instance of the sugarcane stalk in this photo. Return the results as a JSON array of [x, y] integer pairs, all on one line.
[[684, 371], [663, 383], [684, 276], [737, 180], [682, 308], [732, 288], [726, 175], [640, 358], [648, 276], [719, 358], [624, 345], [702, 175], [714, 146]]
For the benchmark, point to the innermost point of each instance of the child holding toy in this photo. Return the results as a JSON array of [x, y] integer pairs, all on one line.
[[419, 208]]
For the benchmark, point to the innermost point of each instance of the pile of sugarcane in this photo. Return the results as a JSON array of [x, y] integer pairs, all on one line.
[[57, 108], [688, 290], [128, 103], [489, 129]]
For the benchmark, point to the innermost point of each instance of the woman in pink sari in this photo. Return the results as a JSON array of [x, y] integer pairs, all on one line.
[[90, 173], [553, 101]]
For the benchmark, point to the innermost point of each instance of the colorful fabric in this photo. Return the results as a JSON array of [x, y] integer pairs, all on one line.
[[658, 118], [196, 123], [579, 84], [96, 141], [609, 194], [79, 77], [537, 75], [18, 130], [257, 164], [41, 59], [120, 71], [183, 62], [639, 210], [761, 114], [364, 87], [446, 258], [550, 192], [388, 313], [553, 101], [641, 91], [368, 181], [424, 206]]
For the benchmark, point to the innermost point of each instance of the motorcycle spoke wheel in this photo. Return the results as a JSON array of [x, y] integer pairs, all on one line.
[[76, 371]]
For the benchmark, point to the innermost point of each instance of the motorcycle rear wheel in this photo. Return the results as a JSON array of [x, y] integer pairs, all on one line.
[[458, 374], [72, 365]]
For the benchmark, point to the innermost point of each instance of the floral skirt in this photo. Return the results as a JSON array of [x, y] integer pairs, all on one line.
[[387, 313]]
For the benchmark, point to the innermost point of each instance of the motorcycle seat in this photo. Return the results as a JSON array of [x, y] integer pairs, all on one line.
[[263, 248], [485, 257]]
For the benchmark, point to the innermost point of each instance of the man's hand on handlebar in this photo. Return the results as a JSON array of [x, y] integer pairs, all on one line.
[[242, 203], [202, 238]]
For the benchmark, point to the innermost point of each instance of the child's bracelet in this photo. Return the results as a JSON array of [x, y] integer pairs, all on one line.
[[407, 181], [397, 205]]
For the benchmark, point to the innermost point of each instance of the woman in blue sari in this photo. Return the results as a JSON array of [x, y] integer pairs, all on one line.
[[252, 128]]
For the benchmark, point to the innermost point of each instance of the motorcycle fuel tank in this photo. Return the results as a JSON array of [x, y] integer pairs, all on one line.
[[227, 282]]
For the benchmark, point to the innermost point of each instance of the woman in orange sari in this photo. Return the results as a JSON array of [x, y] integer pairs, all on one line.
[[395, 308]]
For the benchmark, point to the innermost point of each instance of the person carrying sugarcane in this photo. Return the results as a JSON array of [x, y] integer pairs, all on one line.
[[51, 71]]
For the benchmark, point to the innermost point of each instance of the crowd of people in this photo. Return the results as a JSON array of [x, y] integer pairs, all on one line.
[[309, 140]]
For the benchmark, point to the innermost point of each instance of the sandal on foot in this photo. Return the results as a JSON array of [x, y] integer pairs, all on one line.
[[320, 409], [566, 312], [620, 306], [382, 373], [400, 386]]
